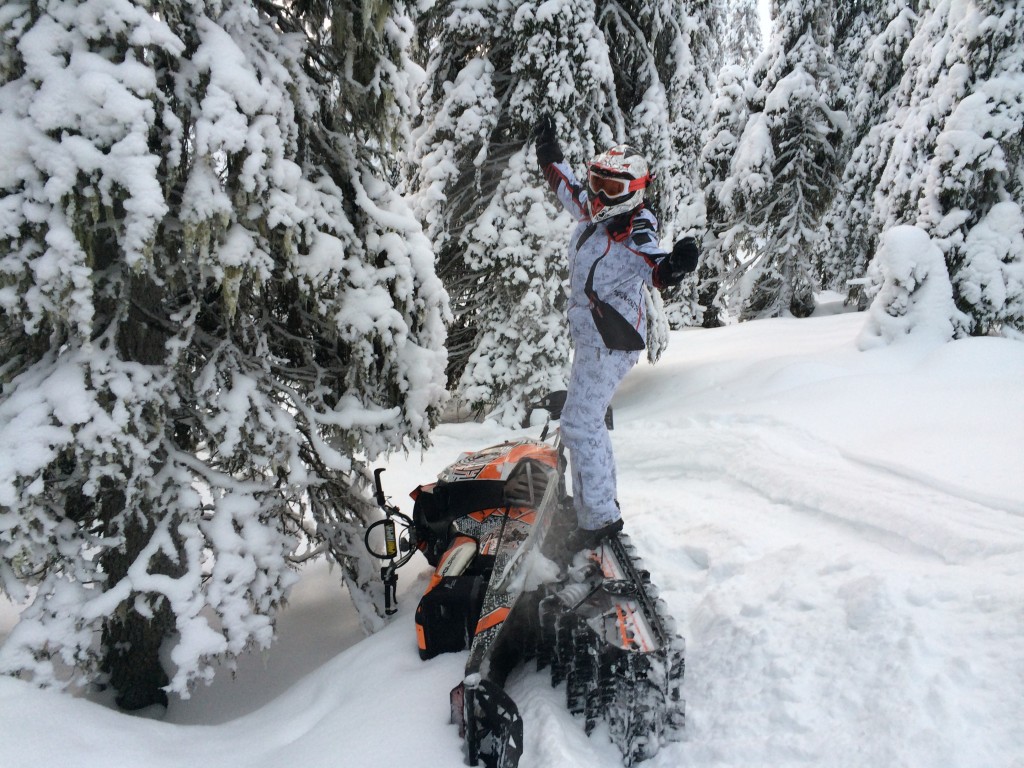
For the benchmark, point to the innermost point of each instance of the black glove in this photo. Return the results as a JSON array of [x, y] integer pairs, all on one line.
[[546, 139], [681, 262]]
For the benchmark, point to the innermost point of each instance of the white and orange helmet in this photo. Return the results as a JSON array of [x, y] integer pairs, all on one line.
[[616, 180]]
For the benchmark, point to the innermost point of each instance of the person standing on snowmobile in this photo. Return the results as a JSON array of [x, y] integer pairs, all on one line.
[[613, 254]]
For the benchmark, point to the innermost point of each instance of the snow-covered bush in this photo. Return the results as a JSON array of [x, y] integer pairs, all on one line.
[[913, 298]]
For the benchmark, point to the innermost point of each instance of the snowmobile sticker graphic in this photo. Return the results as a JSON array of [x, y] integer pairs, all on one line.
[[599, 627]]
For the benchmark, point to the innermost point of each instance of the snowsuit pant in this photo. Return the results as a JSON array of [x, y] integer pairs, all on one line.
[[596, 374]]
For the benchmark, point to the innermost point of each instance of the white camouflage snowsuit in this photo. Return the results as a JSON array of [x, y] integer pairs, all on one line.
[[626, 251]]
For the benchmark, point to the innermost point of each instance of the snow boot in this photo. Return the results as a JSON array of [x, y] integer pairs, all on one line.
[[581, 538]]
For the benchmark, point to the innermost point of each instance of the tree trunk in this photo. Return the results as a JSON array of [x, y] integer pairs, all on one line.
[[131, 641]]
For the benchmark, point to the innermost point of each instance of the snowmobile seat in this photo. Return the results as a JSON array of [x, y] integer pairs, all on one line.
[[438, 505]]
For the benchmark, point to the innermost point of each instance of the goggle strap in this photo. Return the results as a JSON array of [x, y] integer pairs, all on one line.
[[640, 183]]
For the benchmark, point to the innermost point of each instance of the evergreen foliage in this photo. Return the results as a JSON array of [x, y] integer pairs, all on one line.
[[788, 147], [720, 266], [871, 41], [974, 187], [214, 309], [216, 306], [499, 240], [946, 155], [686, 62], [923, 128], [738, 30]]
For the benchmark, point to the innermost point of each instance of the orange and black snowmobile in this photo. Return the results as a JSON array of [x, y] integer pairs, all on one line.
[[492, 525]]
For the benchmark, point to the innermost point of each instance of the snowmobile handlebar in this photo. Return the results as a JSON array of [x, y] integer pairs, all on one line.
[[378, 488], [393, 544]]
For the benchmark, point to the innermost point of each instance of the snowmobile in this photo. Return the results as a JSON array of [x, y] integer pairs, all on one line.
[[492, 525]]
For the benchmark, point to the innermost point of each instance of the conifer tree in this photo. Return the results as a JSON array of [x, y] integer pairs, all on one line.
[[738, 29], [922, 101], [499, 239], [720, 265], [214, 309], [660, 59], [460, 108], [974, 187], [948, 154], [793, 107], [871, 41], [687, 60]]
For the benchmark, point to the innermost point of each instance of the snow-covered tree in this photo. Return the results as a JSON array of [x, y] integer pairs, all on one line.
[[795, 126], [946, 156], [934, 82], [682, 63], [739, 33], [725, 203], [522, 345], [871, 41], [660, 58], [500, 241], [663, 57], [460, 109], [214, 309], [974, 188]]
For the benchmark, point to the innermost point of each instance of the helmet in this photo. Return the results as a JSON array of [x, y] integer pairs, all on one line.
[[616, 179]]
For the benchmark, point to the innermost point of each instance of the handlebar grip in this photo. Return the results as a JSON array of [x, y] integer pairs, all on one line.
[[379, 495]]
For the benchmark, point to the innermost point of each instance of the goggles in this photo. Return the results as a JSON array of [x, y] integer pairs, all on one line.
[[613, 186]]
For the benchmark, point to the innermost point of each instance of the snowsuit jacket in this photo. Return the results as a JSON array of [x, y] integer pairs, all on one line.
[[625, 250]]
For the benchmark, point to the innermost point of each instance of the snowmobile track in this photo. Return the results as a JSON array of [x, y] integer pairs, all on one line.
[[610, 639]]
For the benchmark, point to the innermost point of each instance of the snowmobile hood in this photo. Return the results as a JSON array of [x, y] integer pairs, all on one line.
[[498, 461]]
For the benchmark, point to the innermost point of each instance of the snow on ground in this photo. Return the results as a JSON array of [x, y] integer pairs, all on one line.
[[840, 535]]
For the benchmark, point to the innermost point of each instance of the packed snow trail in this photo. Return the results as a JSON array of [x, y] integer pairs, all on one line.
[[839, 534]]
